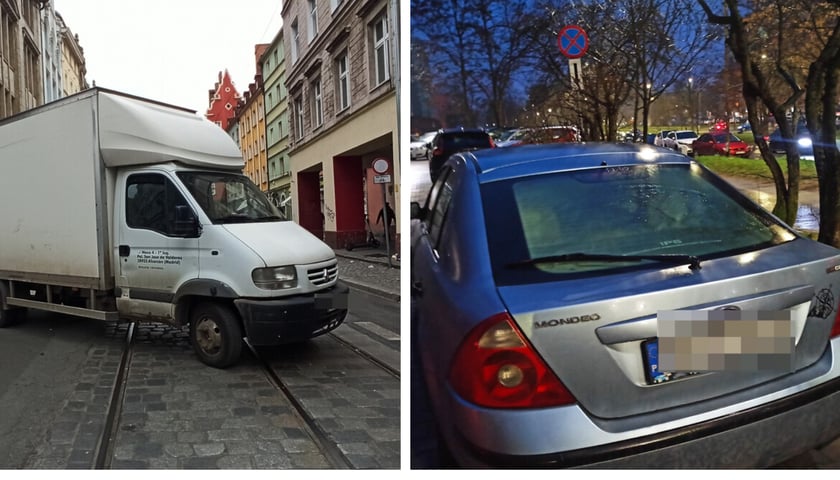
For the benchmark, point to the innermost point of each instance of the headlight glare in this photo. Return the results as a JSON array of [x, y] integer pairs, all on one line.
[[275, 278]]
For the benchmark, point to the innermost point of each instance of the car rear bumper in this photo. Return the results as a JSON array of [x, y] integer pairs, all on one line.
[[759, 437]]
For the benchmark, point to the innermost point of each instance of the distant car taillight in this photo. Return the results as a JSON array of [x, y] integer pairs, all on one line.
[[496, 367]]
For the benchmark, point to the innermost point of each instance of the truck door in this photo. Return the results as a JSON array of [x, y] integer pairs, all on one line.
[[155, 257]]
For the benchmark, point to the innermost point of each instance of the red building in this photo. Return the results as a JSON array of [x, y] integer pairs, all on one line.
[[223, 101]]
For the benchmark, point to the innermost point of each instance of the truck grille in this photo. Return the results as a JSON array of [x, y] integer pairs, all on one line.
[[323, 275]]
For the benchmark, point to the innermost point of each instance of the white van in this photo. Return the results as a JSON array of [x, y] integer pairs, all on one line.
[[115, 207]]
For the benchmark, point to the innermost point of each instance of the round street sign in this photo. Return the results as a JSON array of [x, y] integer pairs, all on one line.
[[572, 41], [381, 166]]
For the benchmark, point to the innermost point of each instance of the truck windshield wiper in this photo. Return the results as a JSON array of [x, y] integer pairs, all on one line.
[[692, 261]]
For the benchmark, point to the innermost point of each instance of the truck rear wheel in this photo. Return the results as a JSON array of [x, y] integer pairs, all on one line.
[[215, 335]]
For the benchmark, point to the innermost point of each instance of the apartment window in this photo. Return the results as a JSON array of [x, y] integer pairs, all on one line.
[[313, 21], [380, 50], [342, 87], [298, 118], [317, 104], [295, 41], [334, 4]]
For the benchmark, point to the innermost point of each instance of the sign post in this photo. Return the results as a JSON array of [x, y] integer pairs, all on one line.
[[382, 175], [573, 43]]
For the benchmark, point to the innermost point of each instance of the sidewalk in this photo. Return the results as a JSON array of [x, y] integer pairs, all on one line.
[[763, 192], [368, 269]]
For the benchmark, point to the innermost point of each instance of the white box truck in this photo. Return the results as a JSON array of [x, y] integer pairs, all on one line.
[[119, 208]]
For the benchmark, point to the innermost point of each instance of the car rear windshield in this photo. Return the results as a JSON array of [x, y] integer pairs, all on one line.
[[466, 141], [646, 210]]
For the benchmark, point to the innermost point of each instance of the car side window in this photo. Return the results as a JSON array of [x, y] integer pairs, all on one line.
[[439, 206], [150, 201]]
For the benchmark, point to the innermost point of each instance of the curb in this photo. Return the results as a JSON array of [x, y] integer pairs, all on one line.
[[389, 295]]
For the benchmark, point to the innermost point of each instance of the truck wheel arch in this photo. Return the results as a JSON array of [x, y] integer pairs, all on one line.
[[197, 291]]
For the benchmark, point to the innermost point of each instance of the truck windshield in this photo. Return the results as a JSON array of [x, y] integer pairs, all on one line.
[[229, 198]]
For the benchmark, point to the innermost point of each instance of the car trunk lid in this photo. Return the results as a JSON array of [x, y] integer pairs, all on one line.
[[592, 332]]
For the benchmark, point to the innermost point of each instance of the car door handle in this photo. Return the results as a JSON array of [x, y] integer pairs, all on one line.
[[417, 288]]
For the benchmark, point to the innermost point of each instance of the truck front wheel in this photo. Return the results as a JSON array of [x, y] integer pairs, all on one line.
[[216, 335]]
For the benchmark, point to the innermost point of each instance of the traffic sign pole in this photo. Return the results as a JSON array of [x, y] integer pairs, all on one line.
[[573, 43], [382, 169]]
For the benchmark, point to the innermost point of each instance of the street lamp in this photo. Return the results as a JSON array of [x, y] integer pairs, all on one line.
[[691, 111]]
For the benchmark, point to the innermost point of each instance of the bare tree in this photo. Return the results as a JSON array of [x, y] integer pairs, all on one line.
[[769, 57], [443, 29], [638, 47], [477, 47]]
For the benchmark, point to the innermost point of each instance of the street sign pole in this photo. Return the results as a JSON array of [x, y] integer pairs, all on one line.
[[573, 43], [381, 167]]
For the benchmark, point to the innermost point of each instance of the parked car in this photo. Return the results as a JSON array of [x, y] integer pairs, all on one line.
[[802, 139], [419, 145], [519, 136], [744, 127], [681, 140], [543, 278], [720, 143], [556, 135], [720, 126], [659, 140], [454, 140]]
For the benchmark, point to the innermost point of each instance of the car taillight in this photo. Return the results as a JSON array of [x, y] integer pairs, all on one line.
[[835, 330], [492, 143], [496, 367], [437, 151]]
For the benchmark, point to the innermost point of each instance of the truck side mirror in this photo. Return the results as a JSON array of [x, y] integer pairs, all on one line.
[[186, 223]]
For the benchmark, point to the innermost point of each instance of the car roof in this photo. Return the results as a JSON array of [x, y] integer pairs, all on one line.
[[461, 130], [501, 163]]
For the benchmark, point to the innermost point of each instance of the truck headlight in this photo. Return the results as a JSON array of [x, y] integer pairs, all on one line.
[[804, 142], [275, 278]]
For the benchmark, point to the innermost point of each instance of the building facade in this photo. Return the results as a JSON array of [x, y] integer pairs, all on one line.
[[277, 126], [21, 82], [223, 100], [250, 118], [73, 66], [51, 54], [342, 85]]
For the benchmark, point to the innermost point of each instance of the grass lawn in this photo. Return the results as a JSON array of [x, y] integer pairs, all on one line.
[[745, 167], [753, 167]]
